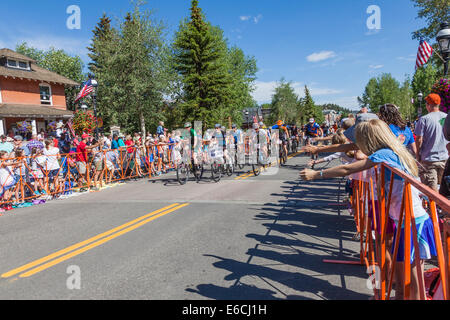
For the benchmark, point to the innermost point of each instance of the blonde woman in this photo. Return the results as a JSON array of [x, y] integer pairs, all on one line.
[[376, 140]]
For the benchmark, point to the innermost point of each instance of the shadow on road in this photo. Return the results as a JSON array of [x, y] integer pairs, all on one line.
[[302, 230]]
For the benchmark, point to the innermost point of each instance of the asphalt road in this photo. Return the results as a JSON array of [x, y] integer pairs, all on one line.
[[246, 237]]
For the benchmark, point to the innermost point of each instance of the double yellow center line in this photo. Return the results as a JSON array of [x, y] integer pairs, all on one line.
[[53, 259]]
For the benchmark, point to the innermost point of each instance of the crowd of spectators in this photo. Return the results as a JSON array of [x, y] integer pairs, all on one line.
[[420, 151]]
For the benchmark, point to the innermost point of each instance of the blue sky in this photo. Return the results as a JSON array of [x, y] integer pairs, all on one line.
[[323, 44]]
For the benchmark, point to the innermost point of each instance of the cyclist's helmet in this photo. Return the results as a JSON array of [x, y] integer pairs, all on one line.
[[187, 125], [280, 123]]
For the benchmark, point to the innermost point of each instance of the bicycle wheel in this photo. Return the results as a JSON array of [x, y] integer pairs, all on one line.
[[198, 172], [283, 156], [230, 170], [216, 172], [183, 174], [238, 165], [256, 169]]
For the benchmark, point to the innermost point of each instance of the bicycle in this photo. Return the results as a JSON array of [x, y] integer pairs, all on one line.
[[294, 145], [184, 169], [216, 156], [283, 154]]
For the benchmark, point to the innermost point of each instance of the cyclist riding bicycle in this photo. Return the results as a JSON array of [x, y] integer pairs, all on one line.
[[261, 143], [193, 143], [283, 134], [312, 130]]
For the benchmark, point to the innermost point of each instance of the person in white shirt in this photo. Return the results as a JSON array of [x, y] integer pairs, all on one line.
[[52, 167]]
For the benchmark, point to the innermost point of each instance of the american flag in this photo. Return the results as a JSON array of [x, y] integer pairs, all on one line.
[[85, 90], [70, 125], [424, 53]]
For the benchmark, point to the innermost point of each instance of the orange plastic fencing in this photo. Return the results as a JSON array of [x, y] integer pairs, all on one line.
[[447, 252], [372, 230], [29, 178]]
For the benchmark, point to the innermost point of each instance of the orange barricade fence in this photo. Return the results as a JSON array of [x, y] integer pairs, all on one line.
[[447, 251], [372, 199], [29, 178]]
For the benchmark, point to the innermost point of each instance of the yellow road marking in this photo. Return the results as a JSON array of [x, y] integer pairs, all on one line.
[[243, 176], [96, 244], [81, 244]]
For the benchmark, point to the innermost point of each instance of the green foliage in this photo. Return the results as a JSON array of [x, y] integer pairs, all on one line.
[[243, 71], [60, 62], [285, 105], [308, 109], [423, 80], [200, 59], [83, 122], [130, 65], [434, 12], [379, 91]]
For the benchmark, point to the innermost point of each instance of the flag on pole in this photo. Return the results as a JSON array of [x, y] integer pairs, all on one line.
[[70, 125], [86, 89], [424, 54]]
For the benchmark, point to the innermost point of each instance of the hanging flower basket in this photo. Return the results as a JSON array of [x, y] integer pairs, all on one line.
[[24, 127], [83, 122], [442, 88]]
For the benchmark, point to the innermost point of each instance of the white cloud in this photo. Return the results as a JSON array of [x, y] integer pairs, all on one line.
[[378, 66], [320, 56], [255, 19]]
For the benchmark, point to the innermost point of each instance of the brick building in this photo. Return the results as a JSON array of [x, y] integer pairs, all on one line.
[[30, 93]]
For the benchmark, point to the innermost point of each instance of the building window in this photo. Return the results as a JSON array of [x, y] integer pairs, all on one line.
[[46, 94], [18, 64], [12, 63]]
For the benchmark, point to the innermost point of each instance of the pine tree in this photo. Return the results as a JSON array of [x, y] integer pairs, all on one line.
[[104, 46], [309, 108], [200, 58]]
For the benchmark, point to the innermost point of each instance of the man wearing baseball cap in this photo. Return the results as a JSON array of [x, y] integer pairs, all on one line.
[[82, 159], [431, 143]]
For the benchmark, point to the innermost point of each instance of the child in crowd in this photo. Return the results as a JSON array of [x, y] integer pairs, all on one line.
[[20, 174], [51, 167], [7, 180], [38, 162]]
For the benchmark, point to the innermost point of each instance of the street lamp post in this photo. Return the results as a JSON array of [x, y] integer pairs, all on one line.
[[246, 117], [443, 38], [420, 98]]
